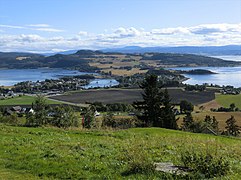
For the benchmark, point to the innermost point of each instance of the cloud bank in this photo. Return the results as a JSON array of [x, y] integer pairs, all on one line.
[[201, 35]]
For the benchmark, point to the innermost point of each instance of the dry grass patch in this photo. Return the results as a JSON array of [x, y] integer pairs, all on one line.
[[220, 116], [123, 72]]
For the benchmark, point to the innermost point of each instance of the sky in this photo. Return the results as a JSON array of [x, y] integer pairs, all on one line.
[[58, 25]]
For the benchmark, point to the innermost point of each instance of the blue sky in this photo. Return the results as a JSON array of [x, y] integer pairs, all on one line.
[[53, 25]]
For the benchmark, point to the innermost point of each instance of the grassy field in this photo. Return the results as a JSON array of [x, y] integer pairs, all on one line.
[[47, 153], [23, 100], [226, 100]]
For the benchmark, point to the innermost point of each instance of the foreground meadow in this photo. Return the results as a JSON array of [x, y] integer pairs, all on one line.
[[49, 153]]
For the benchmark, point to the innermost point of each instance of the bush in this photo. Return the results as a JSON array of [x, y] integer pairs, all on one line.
[[108, 120], [205, 164], [11, 119], [122, 123]]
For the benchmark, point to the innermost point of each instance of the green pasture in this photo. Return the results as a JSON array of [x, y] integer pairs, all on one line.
[[226, 100], [23, 100]]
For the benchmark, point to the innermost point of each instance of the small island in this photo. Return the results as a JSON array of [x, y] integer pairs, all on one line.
[[198, 72]]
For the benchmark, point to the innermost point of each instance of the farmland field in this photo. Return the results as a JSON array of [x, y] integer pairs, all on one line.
[[23, 100], [226, 100], [50, 153], [130, 95]]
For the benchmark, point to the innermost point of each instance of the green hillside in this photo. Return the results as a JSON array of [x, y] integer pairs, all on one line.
[[48, 153]]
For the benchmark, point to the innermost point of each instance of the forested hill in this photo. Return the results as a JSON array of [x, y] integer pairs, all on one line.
[[187, 59], [87, 60], [29, 60]]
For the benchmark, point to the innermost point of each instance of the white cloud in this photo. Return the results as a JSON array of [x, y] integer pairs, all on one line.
[[48, 29], [11, 26], [216, 28], [33, 27], [127, 32], [39, 25], [83, 33], [29, 38], [170, 31], [206, 34]]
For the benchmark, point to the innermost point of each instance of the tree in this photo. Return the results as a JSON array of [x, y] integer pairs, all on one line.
[[232, 107], [186, 106], [168, 117], [211, 123], [215, 124], [188, 122], [40, 112], [89, 117], [232, 128], [64, 117], [208, 120], [152, 101]]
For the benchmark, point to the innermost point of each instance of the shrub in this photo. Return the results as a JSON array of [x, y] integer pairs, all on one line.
[[11, 119], [205, 164], [108, 120], [122, 123]]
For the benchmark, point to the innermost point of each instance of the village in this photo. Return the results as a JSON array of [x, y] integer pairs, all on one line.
[[53, 86]]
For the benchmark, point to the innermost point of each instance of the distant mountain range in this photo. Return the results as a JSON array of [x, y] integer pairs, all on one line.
[[61, 52], [201, 50]]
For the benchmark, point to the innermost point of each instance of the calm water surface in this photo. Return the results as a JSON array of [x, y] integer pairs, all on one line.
[[226, 76], [10, 77], [101, 83], [231, 58]]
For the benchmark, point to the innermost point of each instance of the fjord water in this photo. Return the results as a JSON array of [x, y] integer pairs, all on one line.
[[9, 77], [101, 83], [225, 76], [229, 58]]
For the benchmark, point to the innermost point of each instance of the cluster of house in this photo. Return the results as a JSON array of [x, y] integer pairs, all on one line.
[[18, 110], [52, 86], [7, 95], [230, 90]]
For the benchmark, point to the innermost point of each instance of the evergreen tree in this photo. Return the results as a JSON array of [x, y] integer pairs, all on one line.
[[168, 117], [152, 101], [215, 124], [188, 122], [208, 120], [232, 107], [89, 117], [232, 128], [186, 107]]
